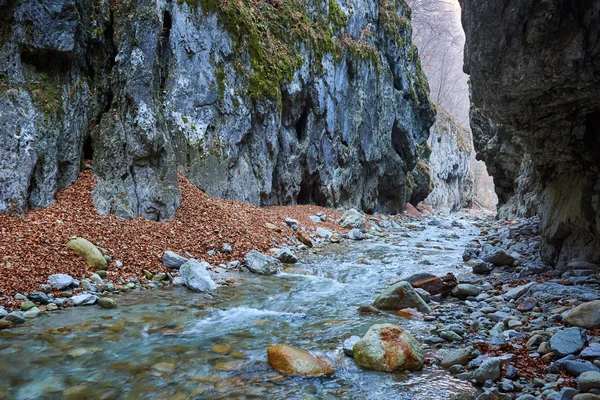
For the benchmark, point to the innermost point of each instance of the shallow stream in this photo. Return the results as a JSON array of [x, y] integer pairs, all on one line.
[[175, 344]]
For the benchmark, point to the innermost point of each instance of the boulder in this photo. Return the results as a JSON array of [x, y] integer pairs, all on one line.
[[464, 290], [173, 260], [400, 295], [481, 267], [436, 285], [261, 264], [60, 281], [355, 234], [291, 361], [196, 277], [324, 233], [577, 264], [353, 219], [488, 370], [87, 250], [586, 315], [285, 255], [387, 347], [496, 256], [568, 341]]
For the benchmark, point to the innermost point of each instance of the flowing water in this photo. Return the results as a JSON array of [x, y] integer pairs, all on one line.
[[175, 344]]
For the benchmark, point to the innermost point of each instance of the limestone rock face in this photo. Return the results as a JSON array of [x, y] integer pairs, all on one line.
[[146, 89], [535, 117]]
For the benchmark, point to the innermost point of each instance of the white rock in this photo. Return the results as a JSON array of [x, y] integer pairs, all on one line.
[[196, 277], [324, 233], [96, 279], [60, 281], [173, 260], [85, 299]]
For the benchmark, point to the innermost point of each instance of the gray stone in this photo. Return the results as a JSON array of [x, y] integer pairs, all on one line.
[[353, 219], [286, 256], [173, 260], [400, 295], [494, 394], [488, 370], [196, 277], [32, 313], [483, 268], [517, 292], [577, 367], [586, 315], [84, 299], [39, 297], [60, 281], [3, 312], [323, 233], [96, 279], [16, 317], [348, 345], [226, 248], [588, 381], [583, 265], [450, 336], [568, 341], [315, 219], [355, 234], [424, 294], [261, 264], [292, 223], [456, 356], [496, 256], [463, 290], [593, 350]]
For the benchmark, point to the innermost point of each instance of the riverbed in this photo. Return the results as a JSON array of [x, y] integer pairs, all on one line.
[[172, 343]]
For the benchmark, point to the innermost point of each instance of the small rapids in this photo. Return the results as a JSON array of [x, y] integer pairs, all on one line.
[[175, 344]]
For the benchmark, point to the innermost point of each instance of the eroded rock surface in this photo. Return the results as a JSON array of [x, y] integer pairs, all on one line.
[[534, 70]]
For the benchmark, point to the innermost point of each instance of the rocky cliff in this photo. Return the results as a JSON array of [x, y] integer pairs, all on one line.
[[535, 73], [450, 164], [269, 102]]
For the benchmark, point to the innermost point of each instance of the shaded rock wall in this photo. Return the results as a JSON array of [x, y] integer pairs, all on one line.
[[535, 73], [147, 88], [450, 165]]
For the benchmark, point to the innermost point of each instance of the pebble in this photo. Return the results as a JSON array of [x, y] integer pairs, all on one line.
[[60, 281]]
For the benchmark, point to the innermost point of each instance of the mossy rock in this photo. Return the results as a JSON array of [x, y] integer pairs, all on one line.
[[106, 302], [88, 251]]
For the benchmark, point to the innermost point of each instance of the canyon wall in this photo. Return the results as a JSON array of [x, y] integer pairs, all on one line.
[[264, 102], [535, 75]]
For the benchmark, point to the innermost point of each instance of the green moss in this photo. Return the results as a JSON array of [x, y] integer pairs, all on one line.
[[394, 16], [272, 33], [221, 81]]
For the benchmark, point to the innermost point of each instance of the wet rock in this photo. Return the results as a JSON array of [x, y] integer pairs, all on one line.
[[456, 357], [588, 381], [517, 292], [586, 315], [88, 251], [16, 317], [173, 260], [470, 254], [355, 234], [196, 277], [6, 324], [463, 290], [496, 256], [568, 341], [85, 299], [348, 345], [261, 264], [435, 285], [28, 305], [353, 219], [286, 256], [32, 313], [400, 295], [488, 370], [60, 281], [291, 361], [106, 302], [388, 347], [324, 233]]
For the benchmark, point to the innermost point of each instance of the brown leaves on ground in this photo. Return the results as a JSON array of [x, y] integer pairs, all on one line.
[[32, 246]]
